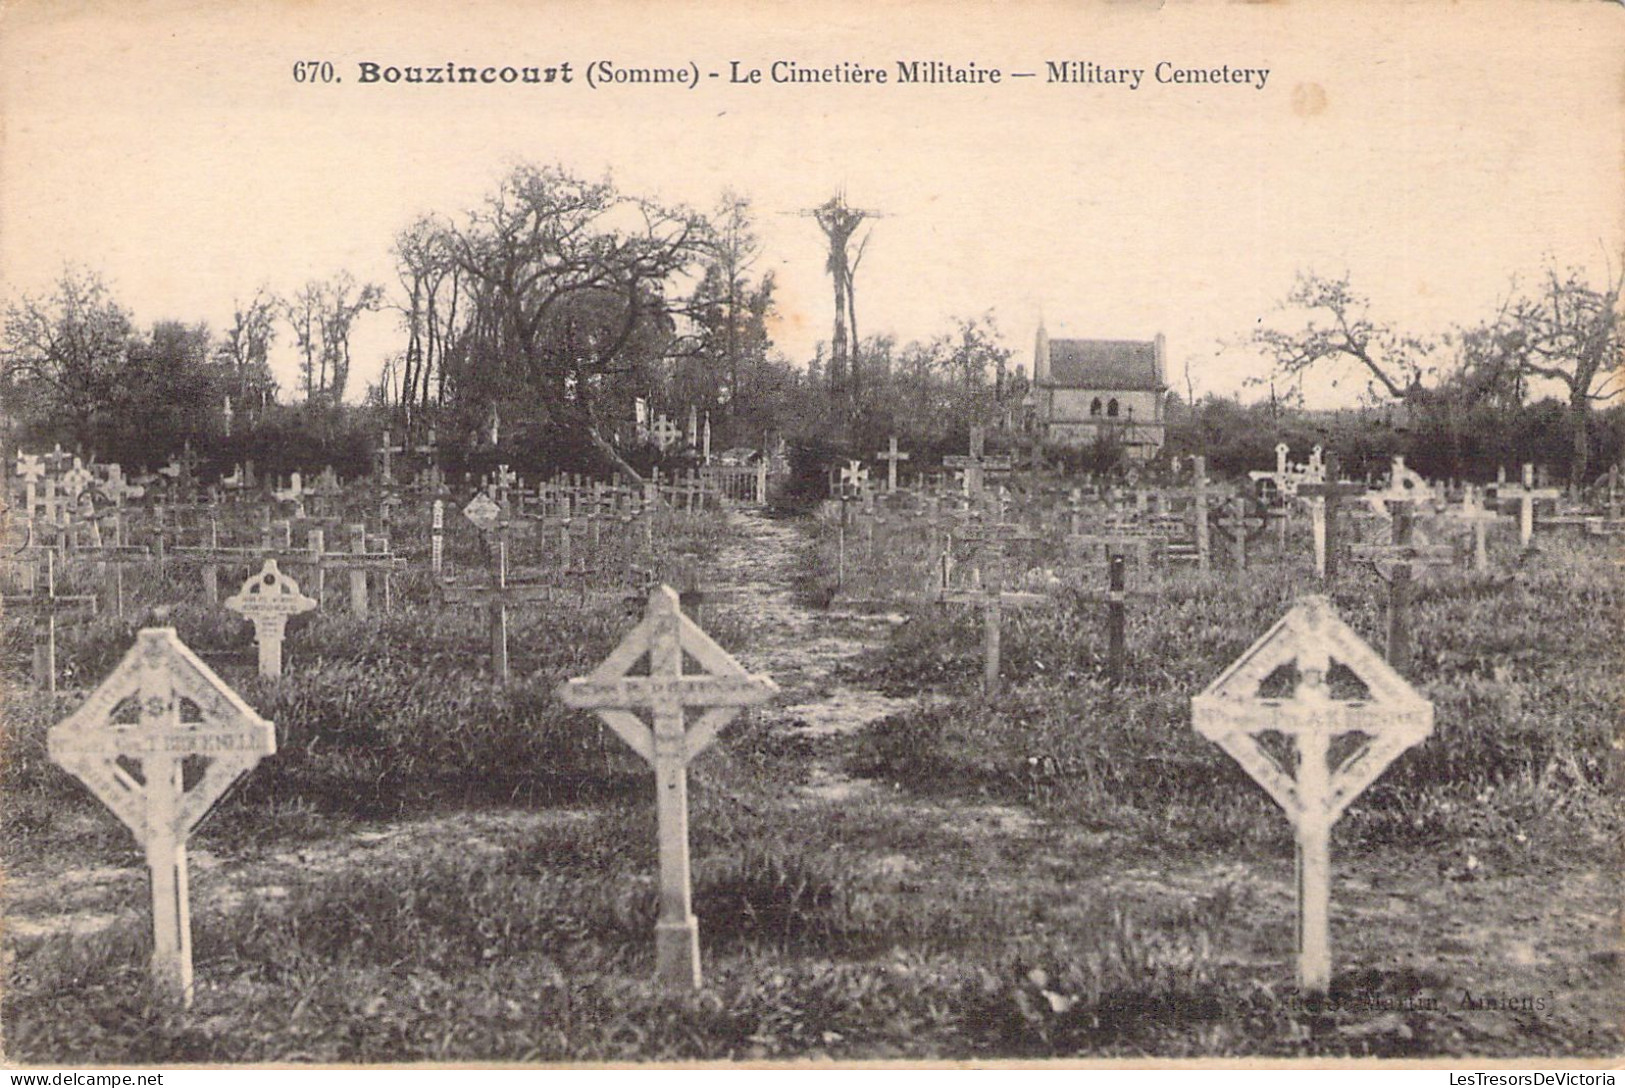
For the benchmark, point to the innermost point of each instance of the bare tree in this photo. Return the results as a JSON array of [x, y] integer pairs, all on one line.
[[1570, 333], [1336, 328]]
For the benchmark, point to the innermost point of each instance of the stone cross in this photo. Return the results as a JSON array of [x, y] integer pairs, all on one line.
[[719, 691], [891, 457], [267, 600], [705, 440], [295, 493], [693, 428], [665, 432], [1235, 713], [161, 710]]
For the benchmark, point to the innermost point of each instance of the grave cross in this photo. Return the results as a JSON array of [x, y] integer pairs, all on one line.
[[665, 432], [1473, 512], [975, 466], [385, 452], [720, 690], [1397, 564], [1236, 713], [1115, 599], [1527, 495], [136, 743], [45, 608], [1241, 529], [499, 595], [1325, 496], [891, 457], [267, 600], [990, 595]]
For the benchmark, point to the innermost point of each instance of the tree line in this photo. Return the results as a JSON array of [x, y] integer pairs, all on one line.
[[532, 327]]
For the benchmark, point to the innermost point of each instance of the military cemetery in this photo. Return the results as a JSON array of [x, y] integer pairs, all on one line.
[[637, 660]]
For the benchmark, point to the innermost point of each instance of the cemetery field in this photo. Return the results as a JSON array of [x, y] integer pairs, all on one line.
[[436, 867]]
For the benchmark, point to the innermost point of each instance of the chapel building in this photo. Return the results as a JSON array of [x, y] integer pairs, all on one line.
[[1087, 389]]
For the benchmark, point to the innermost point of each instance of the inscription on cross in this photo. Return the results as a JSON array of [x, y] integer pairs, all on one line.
[[665, 636], [268, 600], [137, 743], [1341, 744]]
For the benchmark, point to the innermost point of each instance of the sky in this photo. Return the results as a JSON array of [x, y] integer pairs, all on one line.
[[1430, 151]]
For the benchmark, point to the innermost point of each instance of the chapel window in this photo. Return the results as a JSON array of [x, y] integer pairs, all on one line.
[[1111, 408]]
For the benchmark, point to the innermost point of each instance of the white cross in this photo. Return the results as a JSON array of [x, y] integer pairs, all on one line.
[[160, 706], [667, 693]]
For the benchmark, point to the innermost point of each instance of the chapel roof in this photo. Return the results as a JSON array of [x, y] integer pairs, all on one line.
[[1104, 364]]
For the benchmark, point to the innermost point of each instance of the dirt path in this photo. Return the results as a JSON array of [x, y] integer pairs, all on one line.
[[807, 645]]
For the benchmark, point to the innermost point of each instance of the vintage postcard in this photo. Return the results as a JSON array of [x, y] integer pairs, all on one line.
[[557, 533]]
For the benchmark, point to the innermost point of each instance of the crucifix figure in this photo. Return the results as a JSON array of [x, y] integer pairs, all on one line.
[[669, 743]]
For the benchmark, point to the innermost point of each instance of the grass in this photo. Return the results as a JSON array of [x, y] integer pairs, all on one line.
[[438, 868]]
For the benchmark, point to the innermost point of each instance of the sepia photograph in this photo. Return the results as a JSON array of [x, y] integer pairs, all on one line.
[[547, 533]]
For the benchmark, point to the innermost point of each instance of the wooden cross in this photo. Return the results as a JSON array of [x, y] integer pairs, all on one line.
[[977, 464], [45, 608], [358, 562], [1527, 495], [1115, 599], [1235, 713], [1397, 564], [1325, 497], [990, 595], [385, 451], [1473, 512], [136, 744], [665, 635], [267, 600], [1241, 529], [891, 457], [497, 597]]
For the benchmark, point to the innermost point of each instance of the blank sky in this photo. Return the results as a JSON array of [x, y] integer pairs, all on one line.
[[1431, 151]]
